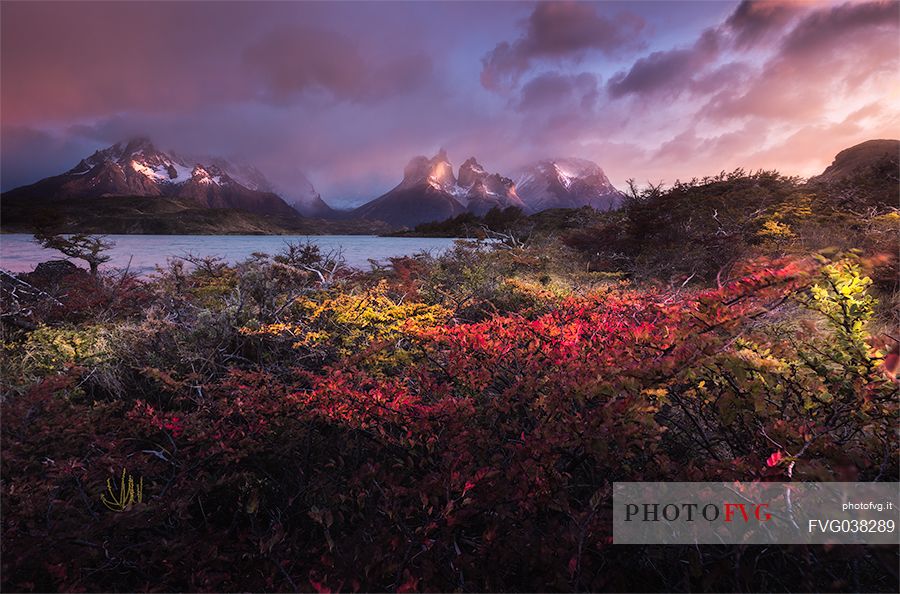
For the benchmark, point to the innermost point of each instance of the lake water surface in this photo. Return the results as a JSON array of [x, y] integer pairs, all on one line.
[[19, 253]]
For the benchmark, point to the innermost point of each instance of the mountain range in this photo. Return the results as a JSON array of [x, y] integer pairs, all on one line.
[[430, 191], [137, 168], [133, 187]]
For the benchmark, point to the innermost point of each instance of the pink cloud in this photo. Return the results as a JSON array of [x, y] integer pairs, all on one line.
[[754, 21], [349, 92], [667, 72], [560, 30], [291, 61], [830, 54]]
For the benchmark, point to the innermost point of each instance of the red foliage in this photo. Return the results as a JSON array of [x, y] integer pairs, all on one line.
[[487, 463]]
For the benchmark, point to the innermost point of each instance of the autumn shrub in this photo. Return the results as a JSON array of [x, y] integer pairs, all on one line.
[[50, 350], [344, 323], [197, 324], [432, 454], [476, 280], [810, 389], [701, 229], [455, 422]]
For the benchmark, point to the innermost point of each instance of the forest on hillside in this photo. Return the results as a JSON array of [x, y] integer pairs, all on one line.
[[456, 422]]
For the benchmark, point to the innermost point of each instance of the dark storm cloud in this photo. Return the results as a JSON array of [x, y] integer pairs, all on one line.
[[670, 71], [552, 90], [292, 61], [558, 30], [827, 28]]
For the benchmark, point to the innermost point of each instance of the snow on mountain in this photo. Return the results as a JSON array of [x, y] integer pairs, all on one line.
[[243, 173], [565, 183], [484, 190], [300, 194], [430, 191], [137, 168]]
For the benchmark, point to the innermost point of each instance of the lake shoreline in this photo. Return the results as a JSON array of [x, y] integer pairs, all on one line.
[[19, 253]]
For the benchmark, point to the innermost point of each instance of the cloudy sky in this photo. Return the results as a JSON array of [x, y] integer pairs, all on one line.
[[347, 92]]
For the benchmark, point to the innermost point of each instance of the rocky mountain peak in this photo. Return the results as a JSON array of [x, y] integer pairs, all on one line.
[[436, 172], [138, 145], [431, 192], [136, 168], [470, 172], [851, 160], [566, 183]]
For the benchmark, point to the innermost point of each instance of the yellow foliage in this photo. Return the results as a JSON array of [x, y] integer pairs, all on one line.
[[772, 229], [536, 291], [798, 206], [49, 349], [843, 298], [356, 319], [127, 495], [349, 322]]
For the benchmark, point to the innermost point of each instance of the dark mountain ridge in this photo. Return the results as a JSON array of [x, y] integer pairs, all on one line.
[[850, 160], [138, 168]]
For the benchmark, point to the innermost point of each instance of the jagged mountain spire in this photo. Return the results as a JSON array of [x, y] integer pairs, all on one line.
[[430, 191]]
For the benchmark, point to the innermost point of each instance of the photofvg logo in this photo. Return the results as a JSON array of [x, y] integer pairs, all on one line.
[[756, 513], [711, 512]]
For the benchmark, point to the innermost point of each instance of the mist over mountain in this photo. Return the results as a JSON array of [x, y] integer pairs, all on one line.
[[566, 183], [430, 191], [301, 195], [137, 168]]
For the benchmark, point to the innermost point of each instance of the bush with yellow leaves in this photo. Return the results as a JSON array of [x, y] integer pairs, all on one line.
[[346, 323]]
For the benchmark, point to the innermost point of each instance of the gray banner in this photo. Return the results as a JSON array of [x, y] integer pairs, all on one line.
[[756, 513]]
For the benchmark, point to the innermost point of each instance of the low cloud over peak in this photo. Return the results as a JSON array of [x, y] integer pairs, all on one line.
[[559, 30]]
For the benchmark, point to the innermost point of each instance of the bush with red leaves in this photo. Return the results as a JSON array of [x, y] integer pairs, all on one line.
[[485, 463]]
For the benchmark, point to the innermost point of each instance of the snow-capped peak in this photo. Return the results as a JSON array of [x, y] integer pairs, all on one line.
[[162, 170], [566, 176], [137, 168], [209, 175], [566, 183]]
